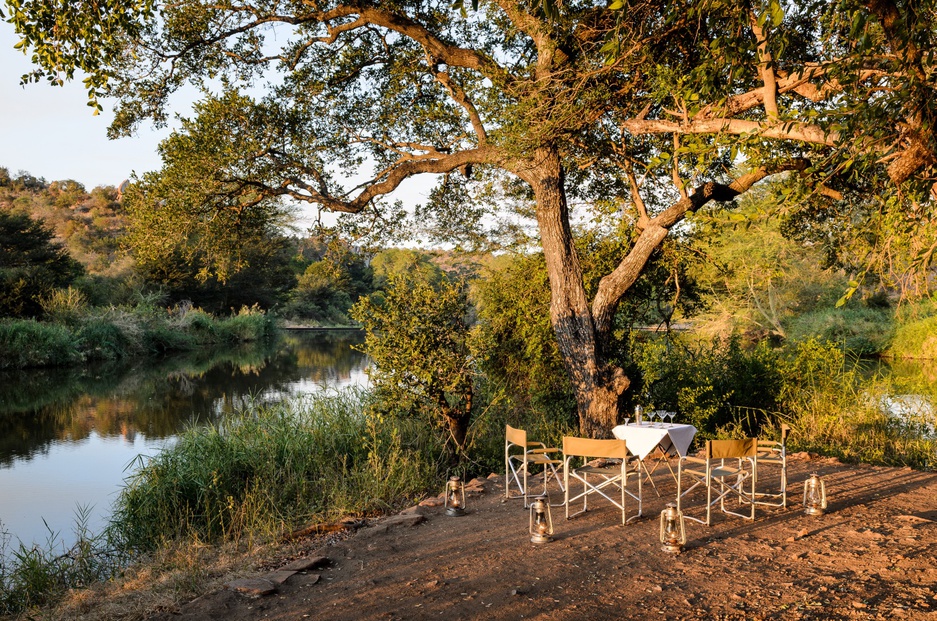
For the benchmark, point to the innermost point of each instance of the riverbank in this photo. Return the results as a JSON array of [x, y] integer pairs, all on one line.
[[116, 334], [867, 558]]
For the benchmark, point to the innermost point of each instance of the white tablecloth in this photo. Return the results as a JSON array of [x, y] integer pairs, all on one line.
[[644, 438]]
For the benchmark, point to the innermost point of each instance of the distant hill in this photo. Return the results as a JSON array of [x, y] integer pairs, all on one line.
[[89, 224]]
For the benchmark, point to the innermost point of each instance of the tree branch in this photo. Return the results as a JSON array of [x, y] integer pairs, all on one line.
[[613, 286], [801, 132], [388, 182]]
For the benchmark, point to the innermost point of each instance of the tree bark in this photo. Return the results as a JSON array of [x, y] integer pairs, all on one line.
[[596, 383]]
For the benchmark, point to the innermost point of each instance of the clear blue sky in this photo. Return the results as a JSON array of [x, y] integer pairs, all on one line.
[[50, 131]]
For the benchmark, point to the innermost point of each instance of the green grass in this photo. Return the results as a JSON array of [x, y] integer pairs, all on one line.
[[37, 575], [861, 330], [271, 468], [116, 333], [29, 343], [915, 338], [836, 409]]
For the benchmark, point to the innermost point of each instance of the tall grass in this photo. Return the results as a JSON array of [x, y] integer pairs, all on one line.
[[838, 410], [29, 343], [271, 468], [36, 575], [114, 333]]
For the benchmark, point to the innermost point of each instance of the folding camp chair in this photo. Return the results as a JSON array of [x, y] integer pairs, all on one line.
[[608, 480], [519, 456], [727, 477], [771, 452]]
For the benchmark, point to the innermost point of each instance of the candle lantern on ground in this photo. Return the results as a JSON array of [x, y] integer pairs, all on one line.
[[814, 495], [672, 529], [455, 497], [541, 521]]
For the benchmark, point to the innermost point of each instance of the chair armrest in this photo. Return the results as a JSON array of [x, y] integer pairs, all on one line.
[[542, 451]]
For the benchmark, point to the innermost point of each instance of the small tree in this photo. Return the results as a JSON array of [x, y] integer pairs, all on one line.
[[31, 265], [417, 335]]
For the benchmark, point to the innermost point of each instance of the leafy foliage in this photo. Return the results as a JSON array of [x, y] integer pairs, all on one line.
[[418, 337], [31, 265], [661, 108], [331, 282]]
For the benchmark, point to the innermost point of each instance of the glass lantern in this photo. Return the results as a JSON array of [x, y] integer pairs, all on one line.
[[541, 520], [814, 495], [455, 497], [672, 530]]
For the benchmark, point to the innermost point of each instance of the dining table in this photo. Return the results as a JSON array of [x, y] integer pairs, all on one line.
[[644, 439]]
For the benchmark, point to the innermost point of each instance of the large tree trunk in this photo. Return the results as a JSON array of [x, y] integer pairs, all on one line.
[[597, 384]]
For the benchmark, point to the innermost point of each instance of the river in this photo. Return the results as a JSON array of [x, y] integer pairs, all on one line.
[[68, 436]]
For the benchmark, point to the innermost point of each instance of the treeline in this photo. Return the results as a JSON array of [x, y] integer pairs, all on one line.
[[58, 235]]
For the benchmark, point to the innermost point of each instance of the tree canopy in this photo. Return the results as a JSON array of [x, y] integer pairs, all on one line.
[[548, 108]]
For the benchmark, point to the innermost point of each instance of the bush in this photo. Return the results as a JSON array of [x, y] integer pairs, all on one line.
[[835, 410], [163, 339], [250, 324], [712, 385], [29, 343], [65, 305], [102, 340]]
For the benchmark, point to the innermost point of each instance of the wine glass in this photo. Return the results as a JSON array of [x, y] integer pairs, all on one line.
[[626, 419]]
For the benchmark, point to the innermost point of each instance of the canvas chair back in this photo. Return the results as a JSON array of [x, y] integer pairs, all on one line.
[[588, 447], [731, 449], [515, 436]]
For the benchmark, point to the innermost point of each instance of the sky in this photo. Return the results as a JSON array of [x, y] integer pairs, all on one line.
[[50, 132]]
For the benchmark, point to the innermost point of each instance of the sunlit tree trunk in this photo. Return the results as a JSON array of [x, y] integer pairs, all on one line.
[[597, 383]]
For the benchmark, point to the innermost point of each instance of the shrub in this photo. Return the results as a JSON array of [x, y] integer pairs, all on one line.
[[64, 305], [915, 339], [835, 410], [162, 339], [250, 324], [29, 343], [102, 340], [711, 384]]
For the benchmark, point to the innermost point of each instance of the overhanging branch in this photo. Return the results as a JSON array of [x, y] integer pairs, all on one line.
[[613, 286]]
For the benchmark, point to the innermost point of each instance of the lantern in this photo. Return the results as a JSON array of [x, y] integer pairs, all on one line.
[[541, 521], [455, 497], [814, 495], [672, 530]]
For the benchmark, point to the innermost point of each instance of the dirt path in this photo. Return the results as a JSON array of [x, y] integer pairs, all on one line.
[[872, 556]]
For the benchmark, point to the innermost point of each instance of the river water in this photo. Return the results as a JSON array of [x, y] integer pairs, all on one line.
[[68, 436]]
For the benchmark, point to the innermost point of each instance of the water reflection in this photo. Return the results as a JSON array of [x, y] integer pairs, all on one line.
[[67, 434]]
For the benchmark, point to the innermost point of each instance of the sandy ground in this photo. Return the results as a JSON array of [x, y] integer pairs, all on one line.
[[871, 556]]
